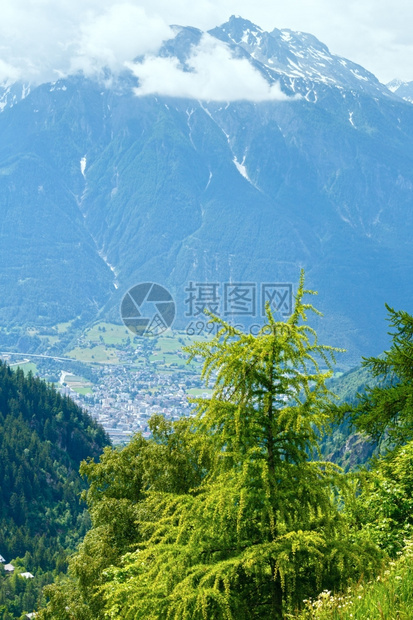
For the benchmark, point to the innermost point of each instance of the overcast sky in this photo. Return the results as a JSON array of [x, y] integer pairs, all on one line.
[[43, 39]]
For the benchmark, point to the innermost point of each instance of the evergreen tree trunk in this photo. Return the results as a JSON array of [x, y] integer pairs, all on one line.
[[276, 593]]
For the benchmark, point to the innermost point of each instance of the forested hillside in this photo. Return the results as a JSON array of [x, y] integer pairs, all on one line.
[[43, 439], [344, 445]]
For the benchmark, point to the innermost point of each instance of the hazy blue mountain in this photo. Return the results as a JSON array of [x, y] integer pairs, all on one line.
[[402, 89], [101, 189]]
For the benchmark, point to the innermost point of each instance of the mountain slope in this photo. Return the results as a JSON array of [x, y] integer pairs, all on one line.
[[43, 438], [110, 189], [42, 441]]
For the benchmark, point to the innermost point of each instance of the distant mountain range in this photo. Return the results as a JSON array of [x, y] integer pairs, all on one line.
[[101, 189], [402, 89]]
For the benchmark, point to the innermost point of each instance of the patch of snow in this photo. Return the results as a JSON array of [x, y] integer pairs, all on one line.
[[325, 57], [241, 168], [209, 181], [313, 98], [189, 114], [345, 219], [206, 110], [377, 218], [296, 73], [285, 36], [350, 118], [239, 165], [83, 166], [111, 267], [294, 64], [56, 88], [25, 90], [326, 80], [356, 74]]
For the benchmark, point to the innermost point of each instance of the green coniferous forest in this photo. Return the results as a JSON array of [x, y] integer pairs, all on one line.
[[233, 514], [43, 439]]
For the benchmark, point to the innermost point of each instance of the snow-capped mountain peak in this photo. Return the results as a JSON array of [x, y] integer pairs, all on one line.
[[395, 85], [402, 89], [10, 94], [296, 57]]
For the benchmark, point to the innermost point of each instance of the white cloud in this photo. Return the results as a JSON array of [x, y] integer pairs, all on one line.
[[8, 73], [121, 33], [215, 75], [41, 40]]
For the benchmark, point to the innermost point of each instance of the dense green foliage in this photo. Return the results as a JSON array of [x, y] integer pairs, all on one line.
[[384, 505], [18, 594], [383, 508], [43, 439], [225, 515], [170, 462], [386, 411], [387, 597]]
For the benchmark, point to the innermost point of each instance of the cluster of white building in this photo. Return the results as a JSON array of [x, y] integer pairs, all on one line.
[[9, 569]]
